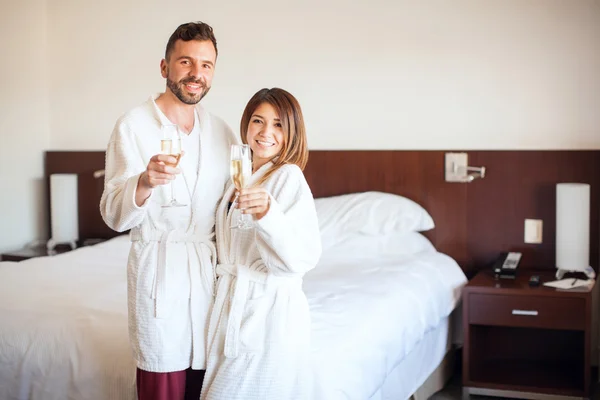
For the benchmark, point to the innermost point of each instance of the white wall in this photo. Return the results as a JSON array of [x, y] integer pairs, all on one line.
[[24, 121], [395, 74], [398, 74]]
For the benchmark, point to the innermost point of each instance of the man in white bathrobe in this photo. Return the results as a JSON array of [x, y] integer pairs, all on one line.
[[171, 267]]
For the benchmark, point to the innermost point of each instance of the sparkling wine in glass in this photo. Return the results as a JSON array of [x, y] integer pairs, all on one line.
[[240, 171], [170, 144]]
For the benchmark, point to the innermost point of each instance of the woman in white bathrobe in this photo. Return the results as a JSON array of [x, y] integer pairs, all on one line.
[[259, 329]]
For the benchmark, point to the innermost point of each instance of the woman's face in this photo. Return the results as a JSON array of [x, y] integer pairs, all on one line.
[[265, 135]]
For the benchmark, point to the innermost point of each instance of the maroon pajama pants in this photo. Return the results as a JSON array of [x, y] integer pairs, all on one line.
[[179, 385]]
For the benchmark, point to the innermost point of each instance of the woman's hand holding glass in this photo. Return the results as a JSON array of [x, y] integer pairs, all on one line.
[[254, 201]]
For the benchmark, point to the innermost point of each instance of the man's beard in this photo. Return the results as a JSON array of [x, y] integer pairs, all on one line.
[[178, 89]]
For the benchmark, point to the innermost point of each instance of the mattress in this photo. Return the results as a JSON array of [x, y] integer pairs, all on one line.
[[369, 314], [63, 326], [63, 321], [408, 376]]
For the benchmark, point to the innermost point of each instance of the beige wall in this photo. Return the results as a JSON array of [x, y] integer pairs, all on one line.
[[396, 74], [24, 120]]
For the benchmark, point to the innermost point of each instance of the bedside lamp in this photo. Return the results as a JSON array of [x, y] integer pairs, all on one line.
[[573, 229], [64, 219]]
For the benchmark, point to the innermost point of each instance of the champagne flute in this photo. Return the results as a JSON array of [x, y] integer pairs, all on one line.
[[170, 144], [240, 171]]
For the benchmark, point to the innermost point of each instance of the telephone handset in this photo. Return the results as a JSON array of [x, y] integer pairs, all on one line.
[[506, 265]]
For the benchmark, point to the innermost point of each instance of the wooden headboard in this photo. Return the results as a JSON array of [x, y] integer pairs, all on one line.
[[474, 221], [84, 164]]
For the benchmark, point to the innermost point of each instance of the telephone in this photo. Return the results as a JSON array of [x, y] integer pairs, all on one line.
[[506, 265]]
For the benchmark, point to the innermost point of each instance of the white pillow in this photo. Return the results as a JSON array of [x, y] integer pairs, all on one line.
[[369, 213], [389, 245]]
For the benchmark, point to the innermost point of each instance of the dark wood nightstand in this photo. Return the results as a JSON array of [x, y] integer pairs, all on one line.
[[525, 342], [31, 252]]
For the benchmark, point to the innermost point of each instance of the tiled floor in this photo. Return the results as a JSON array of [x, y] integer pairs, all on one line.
[[453, 391]]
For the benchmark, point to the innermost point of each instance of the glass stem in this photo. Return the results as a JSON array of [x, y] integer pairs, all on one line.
[[172, 191], [242, 218], [246, 218]]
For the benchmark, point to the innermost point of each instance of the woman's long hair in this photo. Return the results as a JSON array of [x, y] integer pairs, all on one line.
[[294, 149]]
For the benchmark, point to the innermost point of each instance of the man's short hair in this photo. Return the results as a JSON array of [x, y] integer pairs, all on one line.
[[191, 31]]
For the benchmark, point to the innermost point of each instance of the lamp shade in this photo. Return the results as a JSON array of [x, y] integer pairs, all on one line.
[[64, 221], [572, 226]]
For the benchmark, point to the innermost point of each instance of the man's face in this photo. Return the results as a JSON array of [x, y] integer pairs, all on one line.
[[190, 69]]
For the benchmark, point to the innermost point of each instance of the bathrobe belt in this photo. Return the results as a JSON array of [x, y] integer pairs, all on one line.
[[206, 252], [243, 276]]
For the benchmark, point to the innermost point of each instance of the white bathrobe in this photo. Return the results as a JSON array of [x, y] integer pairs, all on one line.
[[260, 325], [170, 271]]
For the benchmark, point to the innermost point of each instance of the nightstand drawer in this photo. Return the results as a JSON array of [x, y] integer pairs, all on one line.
[[527, 311]]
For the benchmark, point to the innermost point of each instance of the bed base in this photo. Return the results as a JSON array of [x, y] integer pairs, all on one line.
[[438, 378]]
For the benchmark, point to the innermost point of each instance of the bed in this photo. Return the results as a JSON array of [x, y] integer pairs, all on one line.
[[64, 325], [384, 304]]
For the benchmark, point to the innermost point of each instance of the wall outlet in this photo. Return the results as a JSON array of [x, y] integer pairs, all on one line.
[[533, 231]]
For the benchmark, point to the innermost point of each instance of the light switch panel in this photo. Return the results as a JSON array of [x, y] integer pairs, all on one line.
[[456, 167]]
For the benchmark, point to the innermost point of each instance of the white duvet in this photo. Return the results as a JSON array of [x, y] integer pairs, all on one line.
[[367, 315], [63, 322]]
